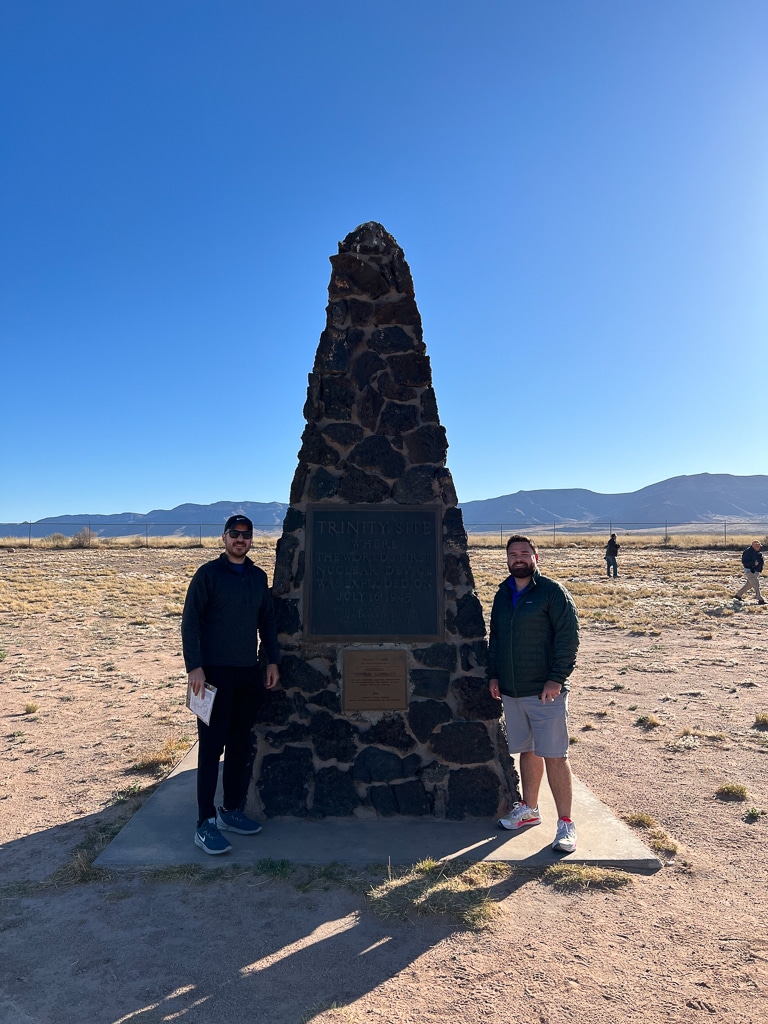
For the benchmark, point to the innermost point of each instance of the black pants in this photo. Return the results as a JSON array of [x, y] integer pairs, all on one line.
[[239, 692]]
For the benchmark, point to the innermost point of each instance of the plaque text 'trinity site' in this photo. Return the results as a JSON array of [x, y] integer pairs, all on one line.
[[374, 574]]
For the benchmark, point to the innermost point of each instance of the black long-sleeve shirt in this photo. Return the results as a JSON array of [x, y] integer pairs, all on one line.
[[226, 612]]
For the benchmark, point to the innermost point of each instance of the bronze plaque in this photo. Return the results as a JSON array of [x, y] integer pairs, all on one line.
[[374, 573], [375, 680]]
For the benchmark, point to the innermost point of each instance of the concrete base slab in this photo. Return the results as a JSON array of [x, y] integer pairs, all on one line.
[[161, 834]]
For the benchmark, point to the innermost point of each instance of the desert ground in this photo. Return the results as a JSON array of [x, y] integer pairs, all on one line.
[[670, 729]]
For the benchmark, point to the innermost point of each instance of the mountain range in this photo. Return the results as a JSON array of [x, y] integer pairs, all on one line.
[[701, 498], [186, 520]]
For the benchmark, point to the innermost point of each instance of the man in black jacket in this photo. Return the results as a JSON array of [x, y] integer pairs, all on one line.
[[752, 561], [534, 638], [227, 610]]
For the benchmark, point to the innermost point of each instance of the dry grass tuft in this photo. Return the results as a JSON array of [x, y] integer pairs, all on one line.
[[451, 888], [690, 739], [279, 870], [648, 722], [79, 868], [640, 820], [732, 791], [78, 871], [657, 838], [661, 843], [579, 877], [134, 789], [157, 762], [324, 876], [761, 720]]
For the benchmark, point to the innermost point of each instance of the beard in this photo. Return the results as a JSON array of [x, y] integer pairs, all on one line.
[[521, 571]]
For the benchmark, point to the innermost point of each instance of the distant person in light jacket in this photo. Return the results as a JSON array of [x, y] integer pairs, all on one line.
[[752, 561], [611, 550]]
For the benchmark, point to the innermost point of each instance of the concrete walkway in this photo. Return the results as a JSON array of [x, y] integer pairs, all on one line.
[[161, 834]]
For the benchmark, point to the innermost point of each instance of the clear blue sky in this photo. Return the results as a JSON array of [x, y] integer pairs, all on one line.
[[579, 186]]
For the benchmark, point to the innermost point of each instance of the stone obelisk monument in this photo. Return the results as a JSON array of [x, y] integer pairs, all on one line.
[[384, 708]]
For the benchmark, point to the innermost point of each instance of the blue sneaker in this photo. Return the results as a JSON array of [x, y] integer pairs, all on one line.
[[236, 821], [209, 839]]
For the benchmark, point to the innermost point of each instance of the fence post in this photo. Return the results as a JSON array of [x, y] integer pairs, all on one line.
[[554, 535], [146, 533], [725, 532], [666, 535], [89, 534], [29, 541], [201, 534]]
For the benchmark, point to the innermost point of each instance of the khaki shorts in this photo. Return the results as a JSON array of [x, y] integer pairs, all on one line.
[[535, 727]]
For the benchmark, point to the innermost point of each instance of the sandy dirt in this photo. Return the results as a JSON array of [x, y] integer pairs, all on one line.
[[92, 683]]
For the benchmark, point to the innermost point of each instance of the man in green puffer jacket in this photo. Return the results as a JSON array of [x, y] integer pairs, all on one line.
[[532, 649]]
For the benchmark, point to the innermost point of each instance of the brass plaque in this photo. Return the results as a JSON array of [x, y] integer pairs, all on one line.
[[375, 680]]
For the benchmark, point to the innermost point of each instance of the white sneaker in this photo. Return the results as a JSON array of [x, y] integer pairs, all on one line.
[[565, 840], [520, 815]]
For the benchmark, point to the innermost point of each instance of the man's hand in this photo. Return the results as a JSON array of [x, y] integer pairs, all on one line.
[[196, 681], [273, 676], [493, 686], [550, 692]]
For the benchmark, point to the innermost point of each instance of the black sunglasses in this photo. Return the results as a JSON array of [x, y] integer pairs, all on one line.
[[245, 534]]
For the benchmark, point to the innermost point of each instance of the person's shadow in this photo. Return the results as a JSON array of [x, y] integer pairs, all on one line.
[[222, 946]]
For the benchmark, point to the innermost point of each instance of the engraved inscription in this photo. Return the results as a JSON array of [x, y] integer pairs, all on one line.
[[375, 680], [374, 573]]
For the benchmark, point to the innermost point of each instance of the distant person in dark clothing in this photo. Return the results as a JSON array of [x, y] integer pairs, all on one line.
[[227, 611], [611, 550], [752, 561]]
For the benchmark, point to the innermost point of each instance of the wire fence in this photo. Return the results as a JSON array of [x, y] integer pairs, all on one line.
[[561, 530], [86, 533]]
